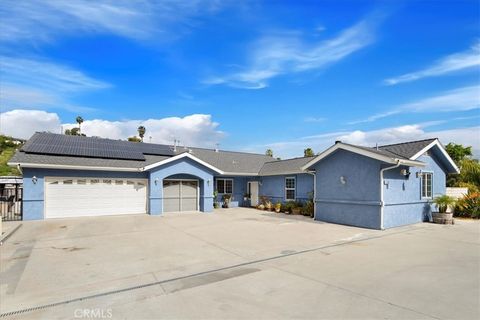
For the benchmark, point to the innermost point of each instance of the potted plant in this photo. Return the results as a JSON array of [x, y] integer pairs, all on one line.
[[297, 208], [278, 207], [268, 205], [442, 203], [261, 207], [216, 205], [289, 207], [226, 200]]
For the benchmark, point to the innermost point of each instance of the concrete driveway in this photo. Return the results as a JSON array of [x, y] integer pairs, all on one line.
[[238, 263]]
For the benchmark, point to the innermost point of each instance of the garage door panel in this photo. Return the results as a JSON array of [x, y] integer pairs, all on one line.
[[180, 195], [94, 196]]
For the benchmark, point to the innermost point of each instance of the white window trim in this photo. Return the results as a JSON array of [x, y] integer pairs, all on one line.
[[224, 179], [294, 189], [422, 185]]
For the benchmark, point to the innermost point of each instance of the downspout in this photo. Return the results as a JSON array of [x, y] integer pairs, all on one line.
[[19, 169], [314, 174], [382, 204]]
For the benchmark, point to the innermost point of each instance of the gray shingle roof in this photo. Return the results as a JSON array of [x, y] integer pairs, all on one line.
[[406, 149], [23, 157], [56, 149], [284, 166], [229, 161]]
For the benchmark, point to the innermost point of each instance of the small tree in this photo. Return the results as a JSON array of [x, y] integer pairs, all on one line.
[[134, 139], [308, 152], [458, 152], [79, 120], [73, 132], [269, 153], [141, 132]]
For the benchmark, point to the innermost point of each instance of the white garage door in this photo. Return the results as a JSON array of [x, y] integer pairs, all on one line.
[[77, 197], [180, 195]]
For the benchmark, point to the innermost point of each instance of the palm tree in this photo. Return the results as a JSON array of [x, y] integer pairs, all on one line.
[[308, 152], [269, 153], [79, 120], [141, 132]]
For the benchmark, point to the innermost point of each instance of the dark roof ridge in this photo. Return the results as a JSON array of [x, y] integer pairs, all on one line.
[[289, 159], [414, 141]]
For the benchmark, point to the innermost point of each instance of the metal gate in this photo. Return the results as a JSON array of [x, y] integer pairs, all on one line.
[[11, 206]]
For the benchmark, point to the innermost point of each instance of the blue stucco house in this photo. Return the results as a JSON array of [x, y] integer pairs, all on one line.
[[381, 187]]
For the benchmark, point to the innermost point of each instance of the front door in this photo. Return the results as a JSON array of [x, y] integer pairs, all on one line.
[[253, 187]]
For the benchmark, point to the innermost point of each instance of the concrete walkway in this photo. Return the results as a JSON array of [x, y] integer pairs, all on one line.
[[239, 263]]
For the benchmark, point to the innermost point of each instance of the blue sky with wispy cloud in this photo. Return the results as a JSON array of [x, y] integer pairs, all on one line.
[[249, 75]]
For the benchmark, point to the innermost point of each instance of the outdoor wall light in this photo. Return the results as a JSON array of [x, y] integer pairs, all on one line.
[[34, 179], [156, 181], [343, 180], [208, 182]]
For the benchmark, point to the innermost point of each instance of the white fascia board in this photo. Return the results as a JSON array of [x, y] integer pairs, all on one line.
[[181, 156], [442, 149], [350, 148], [412, 163], [283, 173], [70, 167]]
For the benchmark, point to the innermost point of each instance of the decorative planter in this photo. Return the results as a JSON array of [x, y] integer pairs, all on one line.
[[443, 217], [296, 210]]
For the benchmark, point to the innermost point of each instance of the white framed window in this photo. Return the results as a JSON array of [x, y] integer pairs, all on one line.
[[225, 186], [426, 185], [290, 185]]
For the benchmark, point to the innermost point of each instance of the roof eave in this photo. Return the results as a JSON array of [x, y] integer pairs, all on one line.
[[444, 152]]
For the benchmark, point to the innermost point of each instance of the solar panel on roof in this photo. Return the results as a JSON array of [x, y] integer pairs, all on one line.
[[82, 146]]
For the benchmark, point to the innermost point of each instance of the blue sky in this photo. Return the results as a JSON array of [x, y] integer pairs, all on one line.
[[248, 76]]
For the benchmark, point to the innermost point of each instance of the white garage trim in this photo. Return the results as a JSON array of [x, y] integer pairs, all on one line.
[[102, 199], [198, 194]]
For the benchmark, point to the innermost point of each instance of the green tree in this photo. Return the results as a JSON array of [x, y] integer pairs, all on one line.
[[308, 152], [141, 132], [134, 139], [269, 153], [73, 132], [79, 120], [458, 152]]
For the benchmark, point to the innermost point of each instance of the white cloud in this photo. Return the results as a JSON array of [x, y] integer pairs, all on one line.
[[462, 99], [288, 52], [24, 123], [469, 59], [294, 148], [192, 130], [28, 83], [43, 21]]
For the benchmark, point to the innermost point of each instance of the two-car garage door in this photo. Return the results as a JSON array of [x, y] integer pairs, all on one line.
[[78, 197]]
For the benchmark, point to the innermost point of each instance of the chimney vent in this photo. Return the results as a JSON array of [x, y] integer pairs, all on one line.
[[338, 141], [216, 147]]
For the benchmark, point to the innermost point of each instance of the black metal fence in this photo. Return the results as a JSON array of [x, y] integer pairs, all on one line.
[[11, 206]]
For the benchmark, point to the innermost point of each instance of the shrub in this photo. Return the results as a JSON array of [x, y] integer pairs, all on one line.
[[261, 207], [289, 206], [278, 206], [264, 200], [468, 206], [443, 202], [308, 209], [269, 205]]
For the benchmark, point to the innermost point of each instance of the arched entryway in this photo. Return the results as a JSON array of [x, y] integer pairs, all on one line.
[[181, 193]]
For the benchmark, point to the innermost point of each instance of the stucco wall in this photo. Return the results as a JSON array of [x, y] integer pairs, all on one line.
[[182, 168], [402, 194], [33, 193], [355, 202], [274, 187]]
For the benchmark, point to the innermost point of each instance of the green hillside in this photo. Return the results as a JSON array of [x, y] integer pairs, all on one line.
[[8, 145]]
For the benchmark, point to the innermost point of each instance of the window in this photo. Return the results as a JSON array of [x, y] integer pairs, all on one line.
[[118, 182], [224, 186], [94, 181], [67, 181], [81, 181], [426, 185], [290, 189], [130, 182], [107, 181]]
